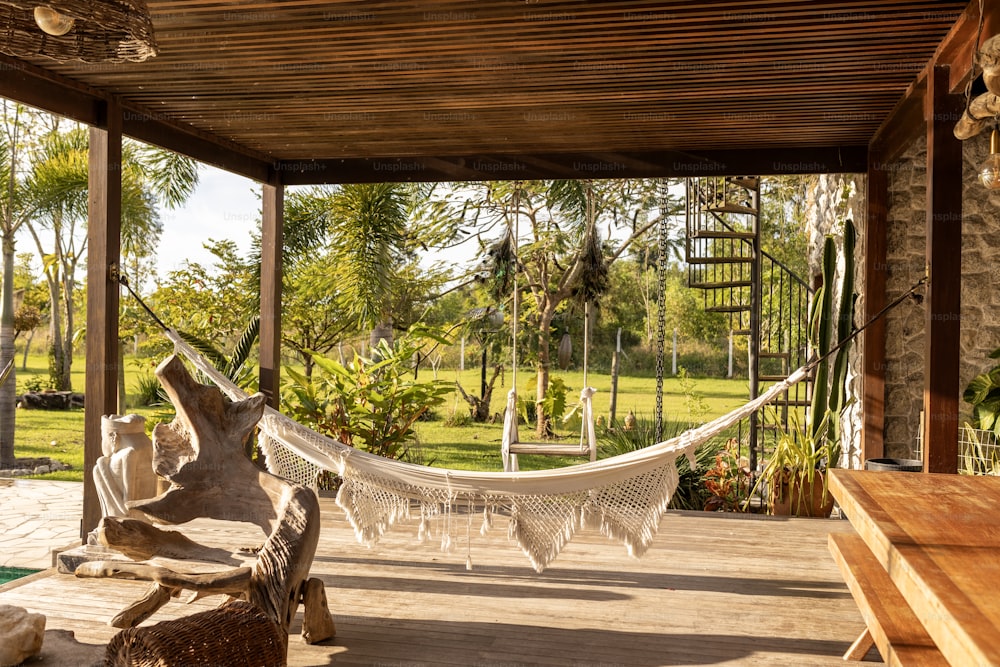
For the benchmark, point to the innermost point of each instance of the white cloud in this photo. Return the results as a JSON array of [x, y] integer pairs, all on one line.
[[224, 206]]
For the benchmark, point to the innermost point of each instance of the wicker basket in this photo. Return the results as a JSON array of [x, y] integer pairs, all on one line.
[[237, 634]]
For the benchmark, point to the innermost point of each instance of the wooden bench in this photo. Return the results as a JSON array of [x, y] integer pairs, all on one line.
[[892, 626]]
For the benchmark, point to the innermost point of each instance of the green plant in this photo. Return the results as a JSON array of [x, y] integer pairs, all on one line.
[[728, 480], [371, 404], [798, 463], [980, 454], [690, 493], [983, 394], [553, 404], [149, 390], [35, 383], [831, 329], [693, 401]]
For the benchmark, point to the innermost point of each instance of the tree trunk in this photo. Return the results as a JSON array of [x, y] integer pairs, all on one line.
[[55, 333], [543, 426], [8, 391], [66, 383], [27, 347]]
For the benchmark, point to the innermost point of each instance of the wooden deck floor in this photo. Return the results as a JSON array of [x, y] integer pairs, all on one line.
[[714, 589]]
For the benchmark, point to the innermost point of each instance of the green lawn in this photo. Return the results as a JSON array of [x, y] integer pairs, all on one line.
[[472, 447]]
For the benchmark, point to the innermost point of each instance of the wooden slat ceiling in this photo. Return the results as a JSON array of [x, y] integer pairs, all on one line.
[[344, 80]]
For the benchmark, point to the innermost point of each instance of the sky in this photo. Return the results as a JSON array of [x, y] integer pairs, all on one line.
[[224, 206]]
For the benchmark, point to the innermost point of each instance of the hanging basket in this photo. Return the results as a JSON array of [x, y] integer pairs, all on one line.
[[94, 30], [565, 354]]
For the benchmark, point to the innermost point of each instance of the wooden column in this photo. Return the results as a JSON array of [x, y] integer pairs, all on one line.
[[270, 291], [944, 269], [103, 256], [873, 338]]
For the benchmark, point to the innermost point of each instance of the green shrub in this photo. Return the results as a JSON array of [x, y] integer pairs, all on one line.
[[371, 404], [149, 391]]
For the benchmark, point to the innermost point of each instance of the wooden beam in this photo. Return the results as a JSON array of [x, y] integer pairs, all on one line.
[[944, 267], [270, 291], [904, 124], [57, 94], [165, 132], [873, 339], [39, 88], [652, 164], [957, 47], [103, 256]]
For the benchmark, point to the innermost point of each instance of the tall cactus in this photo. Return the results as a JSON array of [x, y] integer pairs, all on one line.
[[829, 329]]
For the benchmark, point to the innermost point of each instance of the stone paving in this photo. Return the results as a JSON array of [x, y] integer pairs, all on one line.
[[37, 517]]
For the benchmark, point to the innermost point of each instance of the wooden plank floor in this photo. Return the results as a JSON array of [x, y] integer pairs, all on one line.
[[714, 589]]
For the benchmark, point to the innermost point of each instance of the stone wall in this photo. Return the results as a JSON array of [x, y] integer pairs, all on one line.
[[980, 268], [980, 313], [904, 328]]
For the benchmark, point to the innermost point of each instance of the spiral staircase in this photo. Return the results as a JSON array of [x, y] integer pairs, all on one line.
[[764, 300]]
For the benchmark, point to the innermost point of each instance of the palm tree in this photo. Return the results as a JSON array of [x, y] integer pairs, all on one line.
[[14, 212], [369, 240], [58, 186]]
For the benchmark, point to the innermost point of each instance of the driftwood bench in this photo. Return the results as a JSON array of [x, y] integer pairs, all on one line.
[[891, 624], [201, 454]]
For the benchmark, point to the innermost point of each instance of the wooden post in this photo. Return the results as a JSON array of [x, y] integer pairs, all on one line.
[[673, 363], [944, 270], [873, 338], [271, 241], [104, 211], [729, 373]]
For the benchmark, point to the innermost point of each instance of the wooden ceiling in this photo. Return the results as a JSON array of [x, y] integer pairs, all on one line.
[[524, 87]]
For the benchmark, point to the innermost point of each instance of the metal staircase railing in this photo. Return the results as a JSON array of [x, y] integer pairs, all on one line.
[[764, 299]]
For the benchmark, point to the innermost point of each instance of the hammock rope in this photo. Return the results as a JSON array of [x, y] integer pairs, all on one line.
[[623, 496]]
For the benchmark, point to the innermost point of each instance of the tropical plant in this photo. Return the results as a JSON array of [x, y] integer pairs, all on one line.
[[795, 473], [802, 454], [58, 186], [691, 493], [368, 403], [234, 365], [831, 329], [728, 480], [983, 394], [980, 453]]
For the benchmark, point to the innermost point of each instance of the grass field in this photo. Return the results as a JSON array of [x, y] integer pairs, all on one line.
[[59, 435]]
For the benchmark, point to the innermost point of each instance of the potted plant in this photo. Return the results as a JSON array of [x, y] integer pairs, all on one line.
[[795, 473]]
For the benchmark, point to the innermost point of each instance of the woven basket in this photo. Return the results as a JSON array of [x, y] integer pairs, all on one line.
[[105, 31], [237, 634]]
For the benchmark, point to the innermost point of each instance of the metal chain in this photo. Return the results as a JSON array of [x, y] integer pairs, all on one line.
[[661, 322]]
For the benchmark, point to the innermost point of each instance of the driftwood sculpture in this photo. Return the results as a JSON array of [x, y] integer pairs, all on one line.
[[983, 109], [201, 453]]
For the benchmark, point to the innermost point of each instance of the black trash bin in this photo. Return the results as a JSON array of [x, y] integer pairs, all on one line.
[[898, 465]]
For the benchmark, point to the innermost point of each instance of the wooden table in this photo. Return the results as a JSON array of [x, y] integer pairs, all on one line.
[[938, 539]]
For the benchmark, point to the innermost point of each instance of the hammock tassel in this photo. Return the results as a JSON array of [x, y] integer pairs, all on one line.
[[487, 521]]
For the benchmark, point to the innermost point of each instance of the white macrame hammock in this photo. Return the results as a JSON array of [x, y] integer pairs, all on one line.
[[624, 496]]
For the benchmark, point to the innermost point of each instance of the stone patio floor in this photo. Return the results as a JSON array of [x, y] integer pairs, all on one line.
[[37, 517]]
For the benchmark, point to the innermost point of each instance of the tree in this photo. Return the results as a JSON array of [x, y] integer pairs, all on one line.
[[15, 210], [58, 185], [213, 303], [566, 256], [34, 302], [369, 234]]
